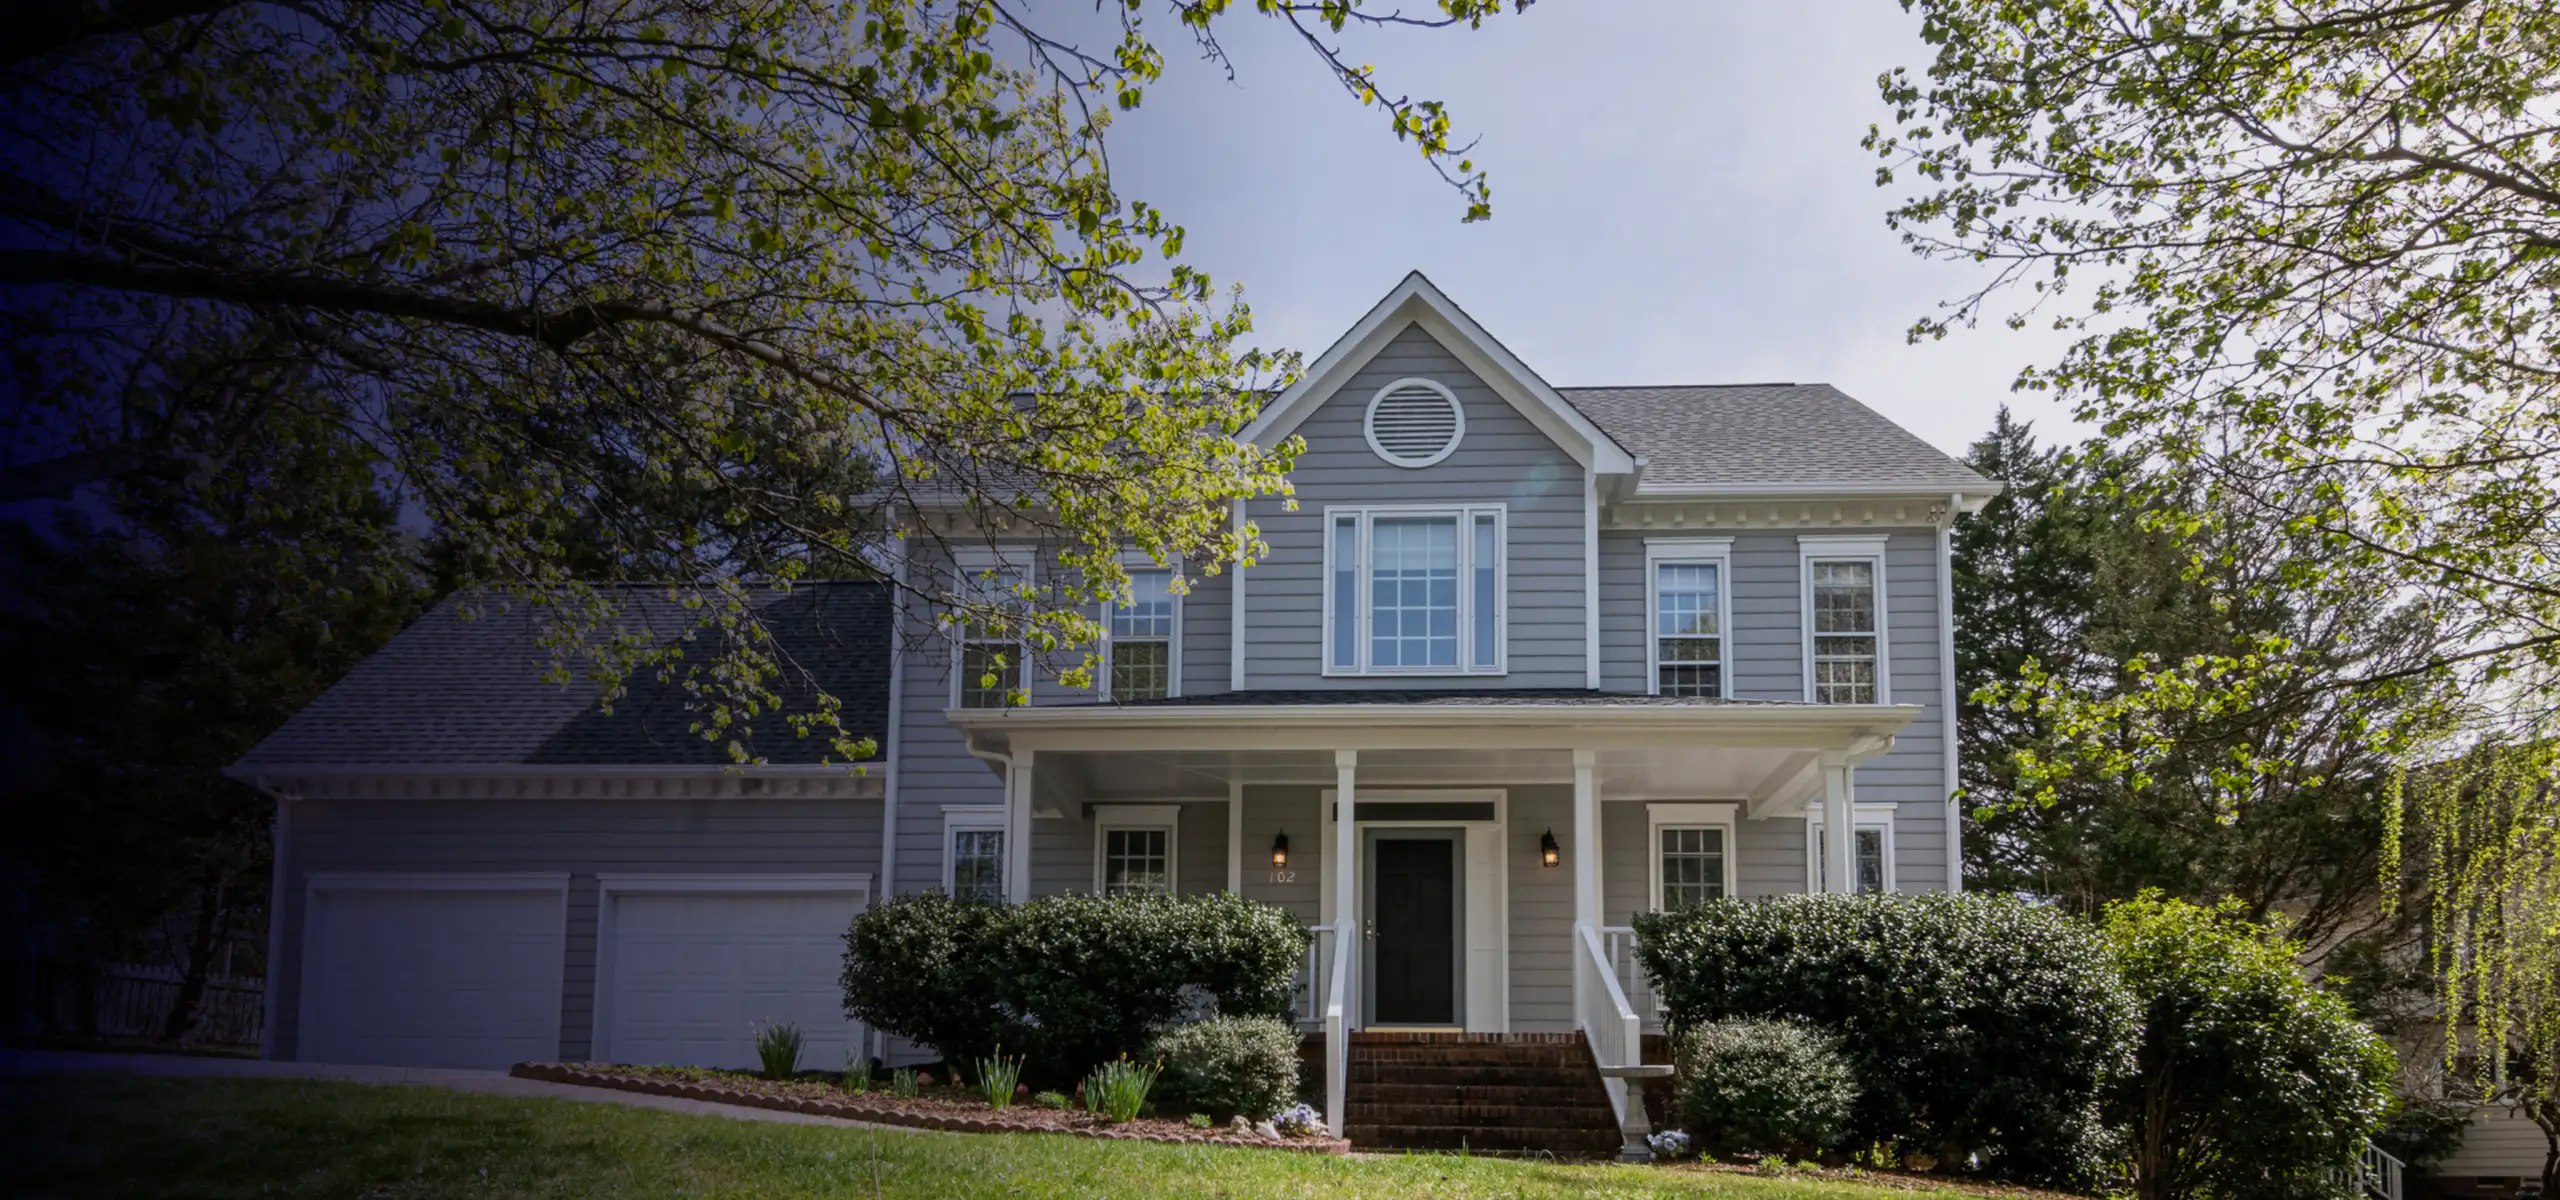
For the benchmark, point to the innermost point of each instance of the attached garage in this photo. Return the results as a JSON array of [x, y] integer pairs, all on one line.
[[689, 965], [433, 970]]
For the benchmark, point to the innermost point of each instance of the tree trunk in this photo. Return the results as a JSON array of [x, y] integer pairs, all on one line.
[[211, 925]]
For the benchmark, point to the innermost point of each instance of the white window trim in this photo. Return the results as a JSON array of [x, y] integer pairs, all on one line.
[[1658, 817], [1167, 817], [1173, 647], [1714, 552], [1814, 548], [1369, 423], [1465, 514], [1869, 816], [968, 565], [976, 818]]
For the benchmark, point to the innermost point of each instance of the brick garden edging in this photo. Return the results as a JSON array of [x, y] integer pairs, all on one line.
[[883, 1110]]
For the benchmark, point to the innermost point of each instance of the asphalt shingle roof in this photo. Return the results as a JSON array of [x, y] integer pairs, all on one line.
[[457, 691], [1776, 435]]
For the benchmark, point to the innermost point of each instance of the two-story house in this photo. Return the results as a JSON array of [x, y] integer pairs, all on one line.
[[1522, 661]]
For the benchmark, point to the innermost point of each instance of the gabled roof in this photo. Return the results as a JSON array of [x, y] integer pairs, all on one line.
[[1417, 301], [1769, 438], [451, 691]]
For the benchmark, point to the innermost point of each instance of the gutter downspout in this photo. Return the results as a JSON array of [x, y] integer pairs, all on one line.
[[1947, 678], [889, 753]]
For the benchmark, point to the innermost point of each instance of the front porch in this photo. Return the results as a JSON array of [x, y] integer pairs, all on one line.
[[1495, 848]]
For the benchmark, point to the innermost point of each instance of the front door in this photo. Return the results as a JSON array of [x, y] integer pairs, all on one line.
[[1414, 903]]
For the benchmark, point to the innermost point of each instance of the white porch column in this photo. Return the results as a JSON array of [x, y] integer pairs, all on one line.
[[1839, 825], [1586, 838], [1235, 837], [1346, 856], [1017, 829]]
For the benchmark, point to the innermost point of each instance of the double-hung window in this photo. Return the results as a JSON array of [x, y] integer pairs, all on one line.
[[1685, 593], [995, 668], [1414, 591], [1873, 838], [973, 852], [1692, 848], [1134, 849], [1844, 620], [1139, 638]]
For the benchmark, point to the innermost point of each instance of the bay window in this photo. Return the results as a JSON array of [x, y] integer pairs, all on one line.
[[1414, 591]]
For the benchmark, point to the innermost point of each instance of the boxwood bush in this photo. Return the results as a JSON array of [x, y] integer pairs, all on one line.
[[1228, 1067], [1976, 1024], [2251, 1083], [1767, 1087], [1067, 981]]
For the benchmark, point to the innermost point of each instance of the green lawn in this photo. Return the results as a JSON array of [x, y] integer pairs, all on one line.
[[126, 1136]]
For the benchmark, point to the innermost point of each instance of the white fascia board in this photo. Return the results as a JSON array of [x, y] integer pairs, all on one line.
[[1853, 731], [1418, 301], [251, 773]]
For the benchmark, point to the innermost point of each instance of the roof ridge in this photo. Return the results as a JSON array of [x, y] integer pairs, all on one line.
[[1629, 387]]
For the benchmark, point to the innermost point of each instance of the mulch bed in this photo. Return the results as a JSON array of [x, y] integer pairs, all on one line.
[[943, 1109]]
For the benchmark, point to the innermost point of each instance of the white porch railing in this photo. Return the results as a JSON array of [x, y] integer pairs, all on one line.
[[1337, 1044], [1616, 1035], [2377, 1173], [1619, 941], [1310, 983]]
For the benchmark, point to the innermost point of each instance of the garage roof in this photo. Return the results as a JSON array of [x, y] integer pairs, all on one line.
[[457, 690]]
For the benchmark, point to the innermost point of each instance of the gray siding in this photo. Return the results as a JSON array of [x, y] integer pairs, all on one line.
[[583, 837], [1503, 459], [1064, 849], [1541, 912], [1767, 654], [1205, 632]]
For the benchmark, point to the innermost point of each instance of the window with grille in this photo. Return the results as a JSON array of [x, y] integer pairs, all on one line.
[[1136, 861], [1844, 611], [994, 667], [1414, 591], [1141, 638], [1687, 629], [1872, 868], [1692, 865], [977, 864]]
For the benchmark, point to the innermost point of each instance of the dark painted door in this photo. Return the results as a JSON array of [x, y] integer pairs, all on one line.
[[1416, 954]]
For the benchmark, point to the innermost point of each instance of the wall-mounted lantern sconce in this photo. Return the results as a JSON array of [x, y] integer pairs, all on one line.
[[1280, 849], [1548, 852]]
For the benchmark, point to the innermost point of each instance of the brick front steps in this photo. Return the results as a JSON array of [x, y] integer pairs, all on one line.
[[1522, 1093], [882, 1109]]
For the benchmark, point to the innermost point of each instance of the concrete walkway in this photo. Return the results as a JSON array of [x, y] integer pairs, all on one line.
[[19, 1063]]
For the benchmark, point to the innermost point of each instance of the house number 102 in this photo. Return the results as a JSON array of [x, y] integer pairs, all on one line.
[[1284, 877]]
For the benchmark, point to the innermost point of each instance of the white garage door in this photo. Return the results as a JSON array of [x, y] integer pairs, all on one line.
[[449, 972], [692, 966]]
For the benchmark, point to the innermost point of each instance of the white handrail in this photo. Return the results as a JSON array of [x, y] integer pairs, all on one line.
[[1337, 1045], [2379, 1172], [1310, 972], [1616, 1032]]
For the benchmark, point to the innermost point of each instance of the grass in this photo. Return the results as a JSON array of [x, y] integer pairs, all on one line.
[[109, 1136]]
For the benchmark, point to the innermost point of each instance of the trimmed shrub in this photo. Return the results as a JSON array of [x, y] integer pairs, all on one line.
[[1975, 1024], [1068, 981], [2250, 1083], [1229, 1066], [918, 966], [1764, 1087]]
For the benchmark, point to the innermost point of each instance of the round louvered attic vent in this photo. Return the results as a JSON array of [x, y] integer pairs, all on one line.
[[1415, 422]]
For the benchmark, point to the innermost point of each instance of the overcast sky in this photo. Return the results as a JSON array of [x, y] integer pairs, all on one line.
[[1678, 195]]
